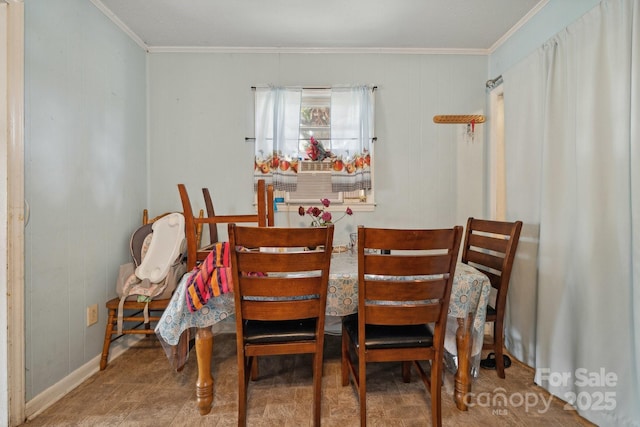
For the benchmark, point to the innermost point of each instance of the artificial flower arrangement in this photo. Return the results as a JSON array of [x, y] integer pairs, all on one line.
[[321, 217], [316, 151]]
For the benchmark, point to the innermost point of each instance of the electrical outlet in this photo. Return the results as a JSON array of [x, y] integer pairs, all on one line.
[[92, 314]]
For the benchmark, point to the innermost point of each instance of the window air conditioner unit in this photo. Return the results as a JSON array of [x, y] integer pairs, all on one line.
[[314, 184]]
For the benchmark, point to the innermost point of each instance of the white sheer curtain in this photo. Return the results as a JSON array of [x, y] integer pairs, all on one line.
[[277, 132], [352, 112], [572, 130]]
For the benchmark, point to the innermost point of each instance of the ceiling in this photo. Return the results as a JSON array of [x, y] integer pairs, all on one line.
[[442, 25]]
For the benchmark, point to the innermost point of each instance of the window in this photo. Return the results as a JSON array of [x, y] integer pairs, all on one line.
[[316, 143]]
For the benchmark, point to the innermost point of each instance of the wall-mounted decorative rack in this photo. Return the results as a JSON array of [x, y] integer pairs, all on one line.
[[460, 119]]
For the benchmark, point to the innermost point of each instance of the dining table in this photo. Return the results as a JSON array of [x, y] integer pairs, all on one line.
[[463, 342]]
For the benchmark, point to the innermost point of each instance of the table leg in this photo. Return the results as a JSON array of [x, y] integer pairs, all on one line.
[[204, 384], [463, 374]]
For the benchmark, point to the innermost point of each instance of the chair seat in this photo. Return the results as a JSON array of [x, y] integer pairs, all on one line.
[[491, 312], [384, 336], [260, 332], [132, 304]]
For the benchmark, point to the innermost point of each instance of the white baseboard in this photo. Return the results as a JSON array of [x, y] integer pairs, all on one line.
[[57, 391]]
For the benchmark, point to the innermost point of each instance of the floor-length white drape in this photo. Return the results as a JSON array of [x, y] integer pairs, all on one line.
[[572, 130], [523, 164]]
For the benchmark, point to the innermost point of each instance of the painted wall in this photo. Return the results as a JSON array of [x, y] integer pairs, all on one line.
[[555, 16], [85, 178], [200, 111]]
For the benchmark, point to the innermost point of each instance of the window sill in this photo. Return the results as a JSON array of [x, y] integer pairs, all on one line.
[[355, 207]]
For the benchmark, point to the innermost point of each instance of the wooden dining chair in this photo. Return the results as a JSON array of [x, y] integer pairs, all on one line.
[[280, 296], [404, 283], [196, 253], [135, 319], [490, 246]]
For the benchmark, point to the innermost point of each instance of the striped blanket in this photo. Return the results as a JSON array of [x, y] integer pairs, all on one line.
[[211, 278]]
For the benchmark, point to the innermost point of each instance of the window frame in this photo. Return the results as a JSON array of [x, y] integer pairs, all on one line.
[[358, 200]]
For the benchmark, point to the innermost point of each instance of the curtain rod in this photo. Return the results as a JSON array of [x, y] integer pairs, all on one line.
[[494, 82], [316, 87], [373, 139]]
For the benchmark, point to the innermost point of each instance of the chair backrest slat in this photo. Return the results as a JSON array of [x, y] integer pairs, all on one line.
[[281, 310], [403, 314], [280, 286], [490, 242], [392, 290], [276, 262], [408, 265], [486, 259]]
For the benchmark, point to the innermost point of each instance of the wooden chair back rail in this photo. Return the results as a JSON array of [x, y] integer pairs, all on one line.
[[483, 258], [274, 263], [264, 217], [408, 265], [493, 227], [404, 290], [281, 310], [213, 229], [402, 314], [407, 239], [281, 287], [496, 243]]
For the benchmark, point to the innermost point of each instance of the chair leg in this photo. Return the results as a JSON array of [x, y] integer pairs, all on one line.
[[107, 340], [498, 341], [436, 388], [317, 388], [362, 389], [406, 372], [254, 368], [344, 360], [242, 392]]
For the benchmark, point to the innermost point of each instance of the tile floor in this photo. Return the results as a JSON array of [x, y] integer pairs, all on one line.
[[139, 389]]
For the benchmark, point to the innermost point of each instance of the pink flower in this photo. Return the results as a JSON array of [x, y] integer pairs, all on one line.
[[321, 217]]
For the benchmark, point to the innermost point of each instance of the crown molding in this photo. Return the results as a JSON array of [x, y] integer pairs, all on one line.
[[104, 9], [537, 8], [315, 50]]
